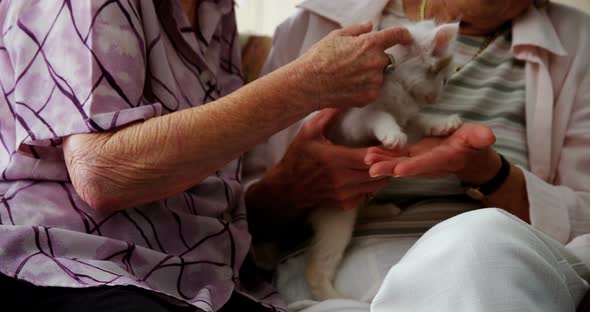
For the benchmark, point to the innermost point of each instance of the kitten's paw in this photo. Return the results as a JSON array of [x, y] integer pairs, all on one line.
[[393, 140], [444, 126], [320, 285]]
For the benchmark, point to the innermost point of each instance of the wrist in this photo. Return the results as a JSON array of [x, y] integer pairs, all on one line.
[[482, 190], [308, 86], [481, 168], [297, 89]]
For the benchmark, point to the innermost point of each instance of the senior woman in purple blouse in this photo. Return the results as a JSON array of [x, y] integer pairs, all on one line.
[[120, 190]]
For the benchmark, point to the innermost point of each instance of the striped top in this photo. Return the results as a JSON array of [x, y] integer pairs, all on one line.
[[490, 90]]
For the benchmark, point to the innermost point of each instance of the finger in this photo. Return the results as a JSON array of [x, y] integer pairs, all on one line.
[[355, 30], [433, 161], [346, 157], [372, 159], [382, 60], [472, 136], [387, 151], [378, 154], [385, 168], [319, 124], [389, 37], [344, 181]]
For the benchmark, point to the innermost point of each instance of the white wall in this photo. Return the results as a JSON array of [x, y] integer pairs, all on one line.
[[581, 4], [262, 16]]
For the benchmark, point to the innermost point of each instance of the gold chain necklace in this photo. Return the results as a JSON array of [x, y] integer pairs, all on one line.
[[422, 10], [489, 39]]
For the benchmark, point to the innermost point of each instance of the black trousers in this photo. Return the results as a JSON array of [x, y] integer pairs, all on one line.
[[20, 296]]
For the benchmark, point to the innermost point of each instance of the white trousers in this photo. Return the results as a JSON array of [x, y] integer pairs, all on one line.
[[480, 261]]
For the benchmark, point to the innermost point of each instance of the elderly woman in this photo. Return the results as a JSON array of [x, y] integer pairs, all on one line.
[[521, 72], [120, 190]]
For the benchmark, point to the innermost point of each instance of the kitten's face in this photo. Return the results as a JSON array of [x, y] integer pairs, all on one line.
[[423, 67], [425, 77]]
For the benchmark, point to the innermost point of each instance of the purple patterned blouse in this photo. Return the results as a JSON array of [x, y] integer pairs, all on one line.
[[79, 66]]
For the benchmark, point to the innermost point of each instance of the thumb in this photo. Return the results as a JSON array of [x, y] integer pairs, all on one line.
[[389, 37], [355, 30], [474, 136], [319, 124]]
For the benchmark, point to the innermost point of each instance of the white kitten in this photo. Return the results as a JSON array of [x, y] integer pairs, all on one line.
[[416, 80]]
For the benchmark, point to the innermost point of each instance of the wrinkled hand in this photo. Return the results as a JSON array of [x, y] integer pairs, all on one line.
[[314, 172], [345, 69], [466, 153]]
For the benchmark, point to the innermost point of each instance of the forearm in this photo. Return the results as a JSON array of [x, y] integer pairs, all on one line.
[[120, 169], [168, 154]]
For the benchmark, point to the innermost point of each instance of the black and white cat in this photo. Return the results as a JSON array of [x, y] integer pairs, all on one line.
[[417, 79]]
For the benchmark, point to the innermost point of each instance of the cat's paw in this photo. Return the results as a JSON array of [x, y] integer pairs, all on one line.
[[319, 276], [444, 126], [393, 140]]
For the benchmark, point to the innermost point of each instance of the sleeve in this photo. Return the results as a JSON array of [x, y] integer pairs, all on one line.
[[563, 210], [574, 165], [79, 67], [548, 206]]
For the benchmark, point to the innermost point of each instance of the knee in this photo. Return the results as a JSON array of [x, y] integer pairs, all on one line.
[[480, 224], [476, 259], [484, 231]]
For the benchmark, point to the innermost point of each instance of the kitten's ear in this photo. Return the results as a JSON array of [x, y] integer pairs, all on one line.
[[441, 65], [442, 39]]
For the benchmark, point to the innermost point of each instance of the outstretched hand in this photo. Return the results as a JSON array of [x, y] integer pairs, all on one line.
[[465, 153], [315, 172]]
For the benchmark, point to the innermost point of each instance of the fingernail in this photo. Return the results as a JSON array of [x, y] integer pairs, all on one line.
[[375, 175]]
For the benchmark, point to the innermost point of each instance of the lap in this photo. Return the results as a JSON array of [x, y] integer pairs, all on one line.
[[489, 248], [485, 260], [29, 297], [365, 264]]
